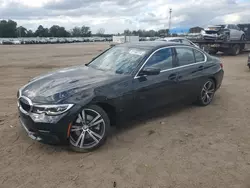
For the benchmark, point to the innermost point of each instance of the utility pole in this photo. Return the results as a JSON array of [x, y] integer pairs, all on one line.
[[170, 16]]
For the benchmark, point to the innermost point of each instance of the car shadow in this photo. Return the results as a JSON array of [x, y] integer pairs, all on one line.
[[151, 115], [123, 127]]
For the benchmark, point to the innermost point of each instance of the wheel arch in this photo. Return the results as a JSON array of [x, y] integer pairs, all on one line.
[[110, 110], [215, 81]]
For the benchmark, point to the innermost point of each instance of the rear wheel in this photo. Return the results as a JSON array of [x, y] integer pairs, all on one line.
[[207, 93], [235, 49], [90, 129]]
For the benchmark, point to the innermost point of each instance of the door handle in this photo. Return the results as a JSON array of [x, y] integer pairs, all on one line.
[[173, 77], [200, 68]]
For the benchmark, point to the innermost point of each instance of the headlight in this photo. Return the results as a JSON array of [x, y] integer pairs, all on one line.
[[203, 32], [51, 110]]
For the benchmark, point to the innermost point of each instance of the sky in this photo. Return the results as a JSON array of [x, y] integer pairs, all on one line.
[[117, 15]]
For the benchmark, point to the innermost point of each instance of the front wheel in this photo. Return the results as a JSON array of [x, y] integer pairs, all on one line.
[[213, 51], [89, 130], [207, 93]]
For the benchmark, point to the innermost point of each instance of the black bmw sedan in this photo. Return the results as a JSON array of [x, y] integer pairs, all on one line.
[[78, 105]]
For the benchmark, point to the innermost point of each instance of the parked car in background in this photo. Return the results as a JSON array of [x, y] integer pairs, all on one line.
[[195, 36], [223, 32], [181, 40], [79, 104], [16, 41]]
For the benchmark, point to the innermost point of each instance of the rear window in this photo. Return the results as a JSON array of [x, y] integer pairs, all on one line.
[[185, 56], [199, 57], [175, 40]]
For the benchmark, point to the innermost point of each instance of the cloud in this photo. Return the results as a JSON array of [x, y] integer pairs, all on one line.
[[118, 15]]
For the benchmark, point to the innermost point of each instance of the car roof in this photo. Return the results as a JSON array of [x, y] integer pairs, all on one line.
[[151, 45]]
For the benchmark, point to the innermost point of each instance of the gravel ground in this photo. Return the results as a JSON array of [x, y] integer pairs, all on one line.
[[174, 147]]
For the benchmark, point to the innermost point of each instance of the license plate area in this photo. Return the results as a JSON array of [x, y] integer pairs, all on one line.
[[31, 134]]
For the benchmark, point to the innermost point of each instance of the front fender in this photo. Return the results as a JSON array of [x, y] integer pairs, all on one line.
[[81, 98]]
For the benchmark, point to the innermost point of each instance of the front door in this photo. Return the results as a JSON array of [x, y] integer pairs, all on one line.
[[233, 32], [156, 90]]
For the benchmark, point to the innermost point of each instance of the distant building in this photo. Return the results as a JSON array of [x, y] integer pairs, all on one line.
[[195, 30]]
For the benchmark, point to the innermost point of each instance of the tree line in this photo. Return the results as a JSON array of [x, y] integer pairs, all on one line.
[[9, 29], [148, 33]]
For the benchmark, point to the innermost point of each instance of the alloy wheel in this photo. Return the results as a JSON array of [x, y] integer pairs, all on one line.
[[207, 92], [88, 129]]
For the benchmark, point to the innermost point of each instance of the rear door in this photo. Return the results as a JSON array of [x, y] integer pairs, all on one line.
[[233, 32], [238, 33], [190, 62]]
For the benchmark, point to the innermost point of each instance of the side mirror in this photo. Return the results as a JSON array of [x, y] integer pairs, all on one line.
[[148, 71]]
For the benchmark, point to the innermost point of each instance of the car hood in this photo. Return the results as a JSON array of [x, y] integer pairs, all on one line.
[[62, 84], [213, 29]]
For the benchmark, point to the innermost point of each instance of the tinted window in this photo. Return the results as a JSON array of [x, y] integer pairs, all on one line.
[[232, 26], [185, 56], [236, 27], [161, 59], [199, 57]]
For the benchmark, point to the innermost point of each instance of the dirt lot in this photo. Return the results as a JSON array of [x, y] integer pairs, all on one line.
[[182, 146]]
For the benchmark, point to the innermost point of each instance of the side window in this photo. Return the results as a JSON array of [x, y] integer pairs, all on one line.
[[161, 59], [185, 56], [199, 57]]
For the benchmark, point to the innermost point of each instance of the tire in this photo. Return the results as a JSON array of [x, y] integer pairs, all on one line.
[[207, 92], [242, 47], [213, 51], [235, 50], [85, 137]]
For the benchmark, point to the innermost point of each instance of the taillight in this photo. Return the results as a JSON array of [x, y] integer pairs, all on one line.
[[221, 65]]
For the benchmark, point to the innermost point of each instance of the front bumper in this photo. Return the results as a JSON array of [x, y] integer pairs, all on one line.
[[51, 133], [213, 36]]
